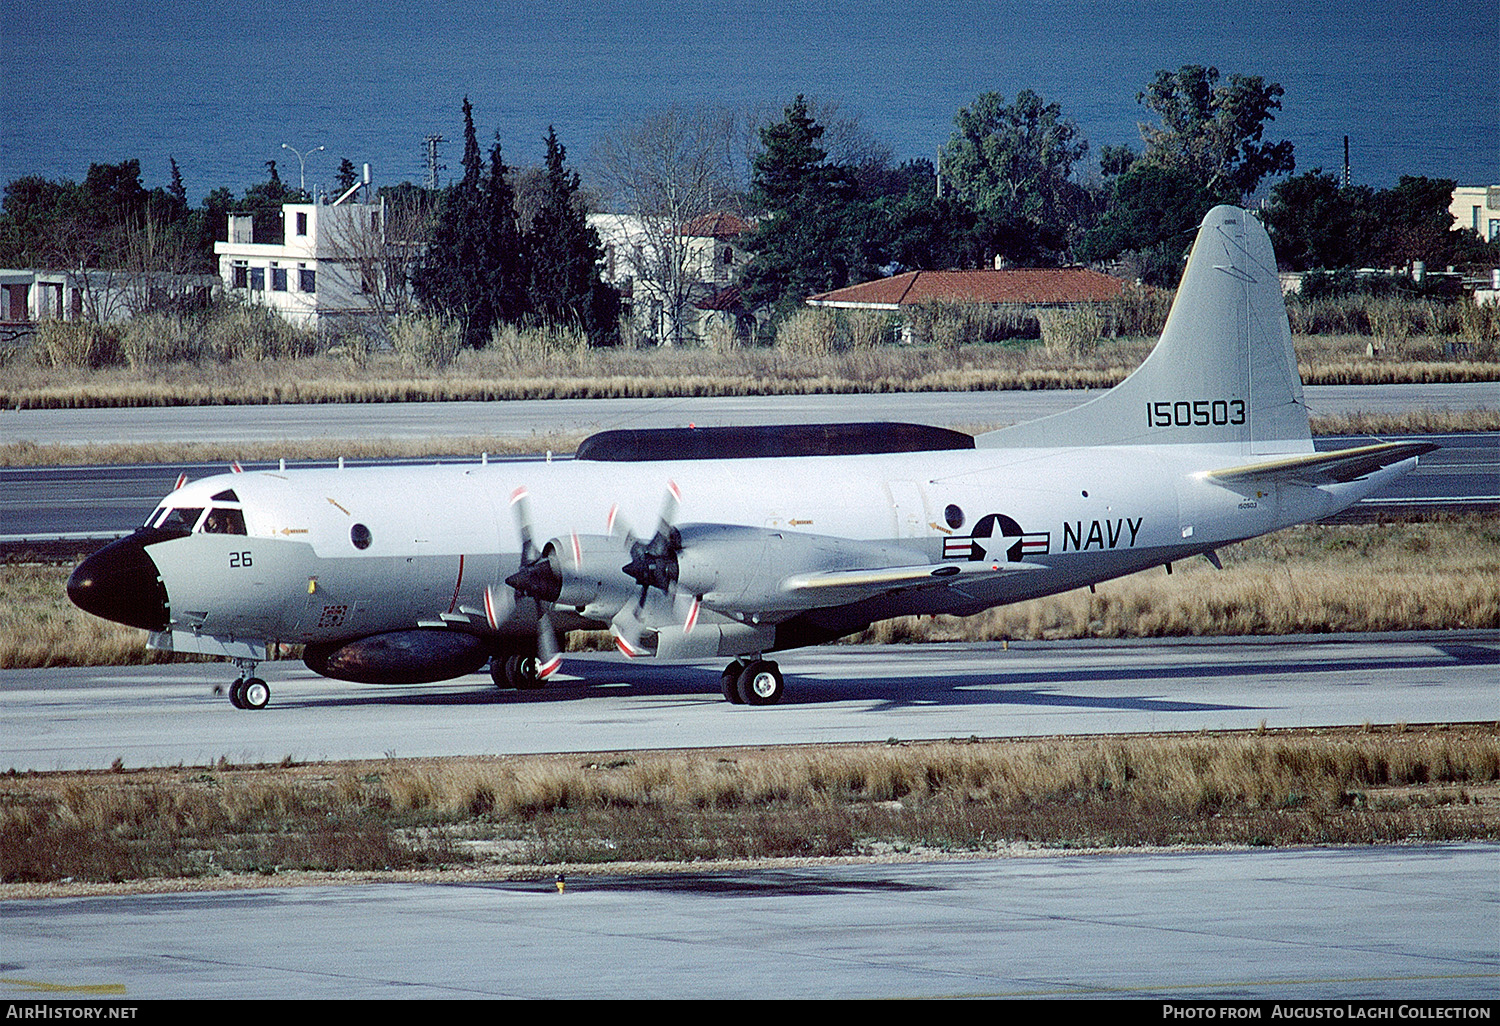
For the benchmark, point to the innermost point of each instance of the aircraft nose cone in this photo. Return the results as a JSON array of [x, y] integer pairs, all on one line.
[[121, 583]]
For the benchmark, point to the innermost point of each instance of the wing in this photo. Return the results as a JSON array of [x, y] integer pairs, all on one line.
[[1321, 468], [843, 586]]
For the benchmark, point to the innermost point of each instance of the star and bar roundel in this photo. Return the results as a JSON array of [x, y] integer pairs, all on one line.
[[1017, 542]]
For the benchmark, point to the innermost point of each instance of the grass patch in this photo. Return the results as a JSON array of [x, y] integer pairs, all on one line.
[[512, 372], [526, 813]]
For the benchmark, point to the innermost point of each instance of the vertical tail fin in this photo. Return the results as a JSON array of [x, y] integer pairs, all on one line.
[[1223, 373]]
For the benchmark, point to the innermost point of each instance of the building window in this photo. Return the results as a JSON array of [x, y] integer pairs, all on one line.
[[241, 276], [307, 278], [278, 278], [257, 279], [301, 223]]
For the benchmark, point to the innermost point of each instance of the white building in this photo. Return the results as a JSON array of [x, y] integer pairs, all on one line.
[[676, 282], [1476, 208], [29, 295], [329, 265]]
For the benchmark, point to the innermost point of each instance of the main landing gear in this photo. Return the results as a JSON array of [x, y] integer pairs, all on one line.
[[758, 682], [522, 672], [249, 691]]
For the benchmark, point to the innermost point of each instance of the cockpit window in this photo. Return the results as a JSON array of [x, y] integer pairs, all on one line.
[[224, 521], [227, 495], [155, 516], [181, 519]]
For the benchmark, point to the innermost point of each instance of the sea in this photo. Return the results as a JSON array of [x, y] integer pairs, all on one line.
[[223, 88]]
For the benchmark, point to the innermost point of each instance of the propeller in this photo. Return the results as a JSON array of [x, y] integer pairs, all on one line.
[[653, 564], [537, 580]]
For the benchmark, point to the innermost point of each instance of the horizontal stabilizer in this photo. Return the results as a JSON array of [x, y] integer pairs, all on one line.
[[852, 585], [1321, 468]]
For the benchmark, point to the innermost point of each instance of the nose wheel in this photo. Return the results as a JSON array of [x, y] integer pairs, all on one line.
[[522, 672]]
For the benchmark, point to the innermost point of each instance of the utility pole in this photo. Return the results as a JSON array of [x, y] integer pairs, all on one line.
[[433, 167]]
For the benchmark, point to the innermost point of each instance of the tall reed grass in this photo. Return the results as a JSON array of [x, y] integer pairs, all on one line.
[[524, 813]]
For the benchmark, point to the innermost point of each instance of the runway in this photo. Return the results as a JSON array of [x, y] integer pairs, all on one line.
[[1392, 923], [526, 418], [1389, 923], [87, 718]]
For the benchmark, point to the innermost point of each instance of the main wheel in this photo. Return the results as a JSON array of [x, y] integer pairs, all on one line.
[[729, 682], [237, 693], [523, 672], [254, 694], [498, 674], [761, 684]]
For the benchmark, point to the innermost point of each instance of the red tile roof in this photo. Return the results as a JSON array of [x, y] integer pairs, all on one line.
[[1030, 286], [720, 224]]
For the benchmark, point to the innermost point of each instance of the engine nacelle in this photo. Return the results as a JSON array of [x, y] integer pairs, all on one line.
[[591, 567], [742, 568], [422, 656]]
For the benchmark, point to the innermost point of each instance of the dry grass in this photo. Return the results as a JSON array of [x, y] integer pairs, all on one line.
[[1433, 574], [523, 813], [819, 355], [1312, 579]]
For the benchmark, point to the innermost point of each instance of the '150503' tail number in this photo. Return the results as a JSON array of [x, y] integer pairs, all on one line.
[[1198, 413]]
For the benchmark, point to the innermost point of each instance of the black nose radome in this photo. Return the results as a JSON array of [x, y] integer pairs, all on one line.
[[121, 583]]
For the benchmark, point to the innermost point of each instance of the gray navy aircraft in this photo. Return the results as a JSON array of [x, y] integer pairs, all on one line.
[[762, 538]]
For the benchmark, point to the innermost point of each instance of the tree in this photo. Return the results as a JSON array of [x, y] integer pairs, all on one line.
[[263, 202], [1152, 214], [815, 235], [563, 252], [665, 170], [1412, 221], [1017, 160], [1316, 223], [1212, 133], [346, 176], [473, 267]]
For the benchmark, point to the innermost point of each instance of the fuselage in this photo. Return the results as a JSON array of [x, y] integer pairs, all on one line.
[[332, 554]]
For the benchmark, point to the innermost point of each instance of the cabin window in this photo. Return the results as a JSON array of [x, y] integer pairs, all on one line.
[[224, 521], [954, 516], [359, 534], [180, 519]]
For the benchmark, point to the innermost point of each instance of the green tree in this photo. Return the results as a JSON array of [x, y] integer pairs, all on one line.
[[1412, 221], [1212, 133], [1152, 213], [1017, 160], [474, 267], [346, 176], [815, 234], [1316, 223], [564, 252]]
